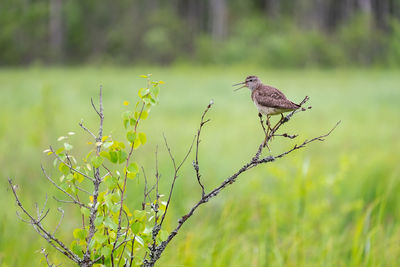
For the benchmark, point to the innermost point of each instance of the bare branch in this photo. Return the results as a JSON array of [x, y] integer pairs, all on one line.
[[51, 239], [44, 253], [172, 185], [59, 222], [187, 155], [87, 130], [94, 106], [82, 190], [318, 138], [63, 201], [195, 163], [96, 183], [146, 191]]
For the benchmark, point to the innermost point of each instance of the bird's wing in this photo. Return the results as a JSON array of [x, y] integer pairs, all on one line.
[[274, 98]]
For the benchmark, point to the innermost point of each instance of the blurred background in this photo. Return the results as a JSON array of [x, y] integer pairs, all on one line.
[[335, 203], [274, 33]]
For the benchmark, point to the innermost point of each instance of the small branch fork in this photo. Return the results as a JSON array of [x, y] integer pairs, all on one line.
[[39, 228], [271, 132], [156, 251], [196, 161]]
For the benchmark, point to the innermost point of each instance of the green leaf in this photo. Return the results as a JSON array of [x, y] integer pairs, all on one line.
[[144, 115], [108, 144], [99, 237], [156, 90], [63, 168], [99, 220], [108, 200], [139, 240], [96, 161], [142, 138], [143, 76], [69, 177], [80, 233], [122, 155], [113, 156], [85, 211], [111, 182], [78, 177], [131, 136], [58, 151], [73, 190], [133, 167], [77, 249], [143, 92], [108, 222], [126, 123], [132, 122], [67, 146], [139, 215], [106, 252], [138, 227], [105, 154], [126, 115], [131, 175]]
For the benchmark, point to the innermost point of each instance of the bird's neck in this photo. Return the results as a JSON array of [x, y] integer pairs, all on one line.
[[256, 86]]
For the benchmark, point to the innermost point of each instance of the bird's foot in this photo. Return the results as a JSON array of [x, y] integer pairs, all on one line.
[[265, 144]]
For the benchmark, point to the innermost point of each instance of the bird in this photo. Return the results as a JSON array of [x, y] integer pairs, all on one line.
[[268, 100]]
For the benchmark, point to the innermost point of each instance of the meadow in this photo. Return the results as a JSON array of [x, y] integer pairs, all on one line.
[[334, 203]]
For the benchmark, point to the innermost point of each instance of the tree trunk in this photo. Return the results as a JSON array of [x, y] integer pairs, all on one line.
[[56, 33], [365, 6], [218, 19], [272, 8]]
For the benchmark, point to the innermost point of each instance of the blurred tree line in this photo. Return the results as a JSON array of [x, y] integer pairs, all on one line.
[[275, 33]]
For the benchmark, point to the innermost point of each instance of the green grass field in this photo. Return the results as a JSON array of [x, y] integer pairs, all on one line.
[[335, 203]]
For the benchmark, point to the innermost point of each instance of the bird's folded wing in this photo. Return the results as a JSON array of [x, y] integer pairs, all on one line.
[[274, 98]]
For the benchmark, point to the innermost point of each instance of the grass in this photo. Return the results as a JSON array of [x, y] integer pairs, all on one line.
[[334, 203]]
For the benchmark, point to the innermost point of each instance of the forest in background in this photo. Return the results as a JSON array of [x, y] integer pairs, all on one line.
[[271, 33]]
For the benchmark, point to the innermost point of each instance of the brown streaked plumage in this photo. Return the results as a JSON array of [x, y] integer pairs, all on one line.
[[268, 100]]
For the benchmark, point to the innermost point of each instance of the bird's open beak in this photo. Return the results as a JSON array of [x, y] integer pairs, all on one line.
[[239, 84]]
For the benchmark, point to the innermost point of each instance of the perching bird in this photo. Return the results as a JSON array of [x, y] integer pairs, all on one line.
[[268, 100]]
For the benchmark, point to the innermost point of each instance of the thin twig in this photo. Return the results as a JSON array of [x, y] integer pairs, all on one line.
[[69, 165], [285, 119], [59, 222], [82, 190], [86, 129], [62, 190], [43, 252], [195, 164]]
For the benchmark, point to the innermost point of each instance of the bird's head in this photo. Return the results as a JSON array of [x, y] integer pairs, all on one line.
[[251, 82]]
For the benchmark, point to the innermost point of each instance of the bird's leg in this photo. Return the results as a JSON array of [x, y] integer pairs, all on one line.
[[268, 124], [276, 125], [267, 137], [265, 131], [262, 123]]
